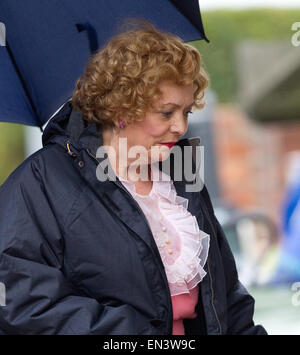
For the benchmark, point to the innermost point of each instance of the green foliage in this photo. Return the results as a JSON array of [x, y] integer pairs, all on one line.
[[11, 148], [225, 29]]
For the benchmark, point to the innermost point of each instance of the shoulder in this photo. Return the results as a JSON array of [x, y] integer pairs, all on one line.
[[27, 172], [48, 174], [206, 198], [46, 164]]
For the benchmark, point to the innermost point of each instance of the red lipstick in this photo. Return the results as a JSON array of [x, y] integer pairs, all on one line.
[[168, 144]]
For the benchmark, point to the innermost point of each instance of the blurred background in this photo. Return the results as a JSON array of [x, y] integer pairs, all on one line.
[[250, 130]]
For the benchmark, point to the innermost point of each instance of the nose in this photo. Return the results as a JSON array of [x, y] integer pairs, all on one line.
[[179, 124]]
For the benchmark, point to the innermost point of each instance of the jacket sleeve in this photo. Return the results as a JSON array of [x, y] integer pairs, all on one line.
[[39, 299], [240, 304]]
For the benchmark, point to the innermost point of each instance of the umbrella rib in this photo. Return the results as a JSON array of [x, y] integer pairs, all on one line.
[[24, 86], [201, 31]]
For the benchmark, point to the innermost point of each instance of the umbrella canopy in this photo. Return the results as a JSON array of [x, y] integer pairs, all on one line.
[[48, 43]]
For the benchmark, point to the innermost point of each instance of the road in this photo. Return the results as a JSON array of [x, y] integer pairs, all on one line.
[[277, 308]]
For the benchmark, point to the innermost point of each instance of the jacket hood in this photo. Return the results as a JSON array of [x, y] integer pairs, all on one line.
[[68, 125]]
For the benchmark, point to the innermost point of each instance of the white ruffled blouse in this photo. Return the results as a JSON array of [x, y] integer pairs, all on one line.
[[183, 247]]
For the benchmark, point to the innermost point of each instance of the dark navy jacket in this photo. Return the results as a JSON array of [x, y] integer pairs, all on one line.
[[77, 255]]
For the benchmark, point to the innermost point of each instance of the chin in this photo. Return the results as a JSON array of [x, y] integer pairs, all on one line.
[[159, 153], [162, 156]]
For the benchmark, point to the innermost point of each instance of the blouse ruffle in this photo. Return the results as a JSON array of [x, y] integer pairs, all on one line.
[[184, 249]]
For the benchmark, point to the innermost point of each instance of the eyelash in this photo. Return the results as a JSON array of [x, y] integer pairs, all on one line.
[[168, 114]]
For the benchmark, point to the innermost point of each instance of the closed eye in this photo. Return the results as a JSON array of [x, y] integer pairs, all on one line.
[[169, 113]]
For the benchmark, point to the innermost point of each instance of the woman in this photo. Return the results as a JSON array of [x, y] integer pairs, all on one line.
[[95, 239]]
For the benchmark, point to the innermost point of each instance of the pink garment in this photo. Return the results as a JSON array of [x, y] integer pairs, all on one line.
[[183, 308], [182, 245]]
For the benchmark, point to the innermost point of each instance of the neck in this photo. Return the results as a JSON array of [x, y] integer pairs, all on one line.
[[117, 152]]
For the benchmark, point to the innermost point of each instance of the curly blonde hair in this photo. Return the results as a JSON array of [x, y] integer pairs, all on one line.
[[121, 80]]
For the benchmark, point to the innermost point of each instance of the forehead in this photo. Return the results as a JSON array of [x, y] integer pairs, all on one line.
[[176, 94]]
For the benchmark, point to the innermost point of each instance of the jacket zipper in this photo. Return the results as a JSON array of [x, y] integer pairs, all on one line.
[[211, 280], [212, 298], [137, 205]]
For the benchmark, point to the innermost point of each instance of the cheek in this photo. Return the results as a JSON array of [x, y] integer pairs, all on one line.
[[155, 130]]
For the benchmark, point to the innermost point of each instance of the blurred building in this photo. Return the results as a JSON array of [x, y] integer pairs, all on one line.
[[252, 138]]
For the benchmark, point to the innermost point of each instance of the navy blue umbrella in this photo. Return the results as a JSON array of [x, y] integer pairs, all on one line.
[[48, 44]]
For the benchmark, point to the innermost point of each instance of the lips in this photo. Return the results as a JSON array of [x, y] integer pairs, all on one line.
[[168, 144]]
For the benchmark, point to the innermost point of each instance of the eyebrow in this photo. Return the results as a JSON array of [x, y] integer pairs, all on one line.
[[172, 103]]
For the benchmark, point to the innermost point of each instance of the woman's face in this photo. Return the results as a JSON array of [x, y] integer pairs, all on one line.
[[165, 123]]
